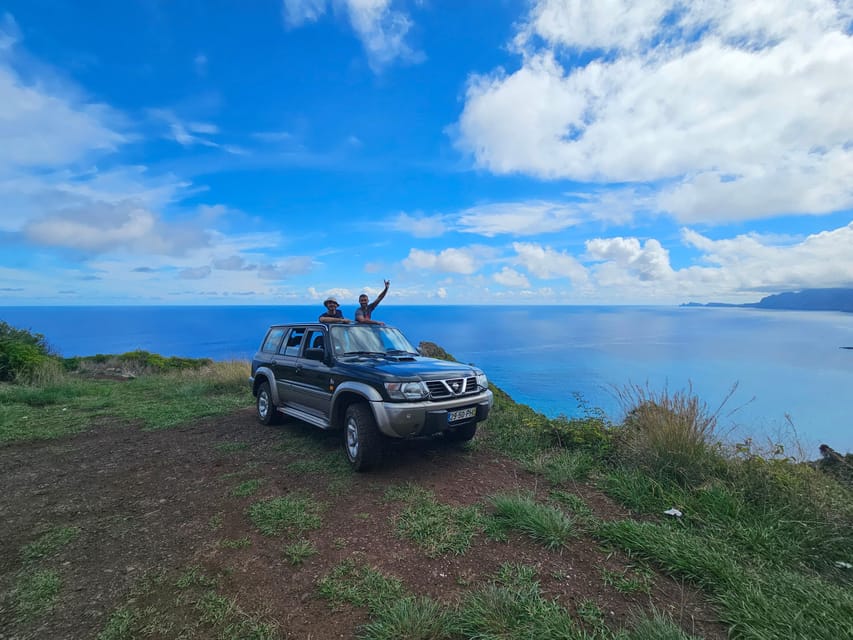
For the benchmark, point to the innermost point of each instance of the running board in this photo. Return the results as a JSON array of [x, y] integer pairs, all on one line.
[[310, 418]]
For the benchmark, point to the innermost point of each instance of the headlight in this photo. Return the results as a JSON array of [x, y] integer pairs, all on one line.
[[407, 390], [482, 381]]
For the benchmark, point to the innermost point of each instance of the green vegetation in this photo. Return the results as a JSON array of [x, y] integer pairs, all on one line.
[[35, 592], [437, 528], [69, 404], [247, 488], [299, 551], [191, 606], [545, 524], [761, 534], [50, 542], [293, 514]]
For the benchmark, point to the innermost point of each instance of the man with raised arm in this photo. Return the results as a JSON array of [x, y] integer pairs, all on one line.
[[364, 311]]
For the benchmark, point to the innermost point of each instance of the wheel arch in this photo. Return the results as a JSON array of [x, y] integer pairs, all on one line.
[[350, 393], [263, 374]]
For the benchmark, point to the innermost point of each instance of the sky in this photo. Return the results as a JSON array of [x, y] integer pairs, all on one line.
[[470, 151]]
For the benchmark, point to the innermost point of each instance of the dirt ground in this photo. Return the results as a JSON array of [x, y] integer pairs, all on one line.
[[146, 501]]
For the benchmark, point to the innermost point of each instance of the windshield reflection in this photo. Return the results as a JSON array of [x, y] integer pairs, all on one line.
[[369, 339]]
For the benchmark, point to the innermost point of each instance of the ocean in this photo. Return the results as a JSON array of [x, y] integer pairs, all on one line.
[[794, 378]]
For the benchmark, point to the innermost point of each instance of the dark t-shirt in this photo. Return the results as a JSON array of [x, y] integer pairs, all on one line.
[[329, 314]]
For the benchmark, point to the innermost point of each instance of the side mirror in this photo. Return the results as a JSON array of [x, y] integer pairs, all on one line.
[[315, 354]]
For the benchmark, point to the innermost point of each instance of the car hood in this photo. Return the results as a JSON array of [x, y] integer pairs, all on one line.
[[410, 366]]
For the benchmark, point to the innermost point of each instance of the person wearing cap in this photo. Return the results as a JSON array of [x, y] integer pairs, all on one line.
[[332, 312], [362, 314]]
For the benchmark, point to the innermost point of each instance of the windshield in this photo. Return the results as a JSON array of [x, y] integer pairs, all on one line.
[[364, 338]]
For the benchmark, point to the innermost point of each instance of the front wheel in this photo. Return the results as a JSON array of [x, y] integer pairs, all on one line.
[[462, 433], [266, 409], [362, 440]]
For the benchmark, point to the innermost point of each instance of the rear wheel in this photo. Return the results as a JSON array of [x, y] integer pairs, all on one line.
[[266, 409], [462, 433], [362, 440]]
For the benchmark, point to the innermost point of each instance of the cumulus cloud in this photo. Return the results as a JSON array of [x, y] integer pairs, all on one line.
[[650, 261], [511, 278], [446, 261], [715, 103], [381, 29], [546, 263]]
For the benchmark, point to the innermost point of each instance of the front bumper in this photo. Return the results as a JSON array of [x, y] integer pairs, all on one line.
[[409, 419]]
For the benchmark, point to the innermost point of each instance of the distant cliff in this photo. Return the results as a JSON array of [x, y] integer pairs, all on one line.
[[805, 300]]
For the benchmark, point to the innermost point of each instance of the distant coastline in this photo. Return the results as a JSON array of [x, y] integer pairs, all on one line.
[[839, 299]]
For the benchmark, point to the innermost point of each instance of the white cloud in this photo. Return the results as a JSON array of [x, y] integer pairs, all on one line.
[[197, 273], [419, 226], [718, 101], [511, 278], [381, 29], [298, 12], [751, 262], [446, 261], [546, 263], [286, 268], [42, 129], [518, 218], [649, 261]]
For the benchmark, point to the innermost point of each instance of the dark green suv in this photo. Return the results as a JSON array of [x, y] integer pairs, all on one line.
[[367, 380]]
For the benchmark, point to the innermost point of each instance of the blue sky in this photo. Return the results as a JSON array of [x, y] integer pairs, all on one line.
[[501, 152]]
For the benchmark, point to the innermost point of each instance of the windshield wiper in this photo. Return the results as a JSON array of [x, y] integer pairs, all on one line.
[[364, 353]]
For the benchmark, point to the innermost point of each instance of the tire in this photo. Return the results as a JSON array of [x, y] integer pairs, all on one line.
[[264, 405], [462, 433], [362, 440]]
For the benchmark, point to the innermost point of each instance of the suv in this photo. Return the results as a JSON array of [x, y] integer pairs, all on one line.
[[368, 380]]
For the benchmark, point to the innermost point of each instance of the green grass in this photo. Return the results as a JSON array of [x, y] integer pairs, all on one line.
[[247, 488], [190, 605], [49, 543], [545, 524], [69, 405], [293, 514], [511, 606], [439, 529], [231, 447], [561, 466], [411, 618], [235, 543], [629, 580], [35, 593], [298, 552], [756, 601], [360, 585]]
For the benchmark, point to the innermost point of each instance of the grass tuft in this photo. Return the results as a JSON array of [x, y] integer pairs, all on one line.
[[293, 514], [50, 542], [544, 523], [35, 593]]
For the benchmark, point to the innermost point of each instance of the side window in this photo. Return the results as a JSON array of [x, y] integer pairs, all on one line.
[[315, 340], [272, 340], [292, 343]]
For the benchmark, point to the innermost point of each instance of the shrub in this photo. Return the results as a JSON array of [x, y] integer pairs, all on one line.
[[23, 354], [670, 435]]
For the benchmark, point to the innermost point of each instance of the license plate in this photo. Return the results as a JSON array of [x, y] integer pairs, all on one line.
[[461, 414]]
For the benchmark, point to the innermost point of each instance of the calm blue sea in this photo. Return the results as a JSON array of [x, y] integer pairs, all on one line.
[[791, 370]]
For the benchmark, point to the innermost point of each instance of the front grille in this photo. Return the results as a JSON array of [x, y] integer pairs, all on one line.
[[452, 387]]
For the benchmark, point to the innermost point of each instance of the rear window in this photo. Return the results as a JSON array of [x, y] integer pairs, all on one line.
[[272, 340]]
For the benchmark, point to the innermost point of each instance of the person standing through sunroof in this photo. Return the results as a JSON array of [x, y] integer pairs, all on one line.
[[365, 309]]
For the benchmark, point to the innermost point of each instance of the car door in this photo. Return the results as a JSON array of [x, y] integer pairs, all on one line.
[[312, 380], [284, 364]]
